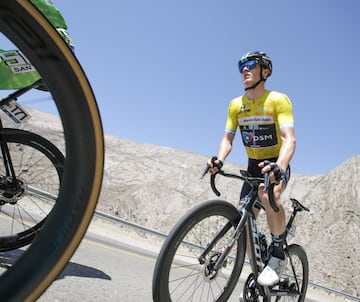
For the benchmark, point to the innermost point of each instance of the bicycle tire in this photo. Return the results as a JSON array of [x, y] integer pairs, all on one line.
[[297, 257], [38, 166], [290, 288], [65, 226], [184, 245]]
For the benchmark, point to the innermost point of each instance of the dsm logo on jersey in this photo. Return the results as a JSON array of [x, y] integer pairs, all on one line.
[[259, 138]]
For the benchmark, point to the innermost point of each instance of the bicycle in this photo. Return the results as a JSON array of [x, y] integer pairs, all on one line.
[[30, 177], [203, 255], [78, 175]]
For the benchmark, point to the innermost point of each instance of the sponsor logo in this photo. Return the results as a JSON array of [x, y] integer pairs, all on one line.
[[249, 137], [243, 109], [249, 120], [259, 136], [24, 68], [16, 60]]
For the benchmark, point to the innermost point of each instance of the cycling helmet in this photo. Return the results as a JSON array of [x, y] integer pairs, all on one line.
[[263, 59]]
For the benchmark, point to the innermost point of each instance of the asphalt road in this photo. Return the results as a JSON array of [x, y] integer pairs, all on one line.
[[105, 268], [116, 264]]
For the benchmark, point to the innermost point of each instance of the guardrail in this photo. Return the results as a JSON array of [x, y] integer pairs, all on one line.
[[113, 218]]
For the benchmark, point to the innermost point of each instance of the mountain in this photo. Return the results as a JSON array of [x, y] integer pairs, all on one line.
[[155, 185]]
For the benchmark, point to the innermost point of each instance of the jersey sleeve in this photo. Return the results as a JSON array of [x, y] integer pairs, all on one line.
[[284, 112], [231, 122], [53, 14]]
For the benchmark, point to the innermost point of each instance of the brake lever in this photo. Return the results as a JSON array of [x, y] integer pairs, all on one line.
[[206, 170], [266, 181], [269, 187]]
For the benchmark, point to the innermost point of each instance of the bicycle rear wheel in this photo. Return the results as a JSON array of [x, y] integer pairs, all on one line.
[[296, 275], [179, 275], [26, 201], [66, 224]]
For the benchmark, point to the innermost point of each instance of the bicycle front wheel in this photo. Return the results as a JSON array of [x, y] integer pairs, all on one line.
[[182, 271], [26, 201], [296, 275], [27, 28]]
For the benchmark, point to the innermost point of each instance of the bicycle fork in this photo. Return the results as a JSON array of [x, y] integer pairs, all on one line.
[[231, 242]]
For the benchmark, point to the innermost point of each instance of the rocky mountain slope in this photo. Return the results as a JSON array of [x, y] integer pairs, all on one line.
[[154, 186]]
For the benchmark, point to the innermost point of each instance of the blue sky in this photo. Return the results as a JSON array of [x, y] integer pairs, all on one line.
[[163, 72]]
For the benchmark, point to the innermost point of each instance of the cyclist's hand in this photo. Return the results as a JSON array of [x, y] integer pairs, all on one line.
[[214, 164], [276, 173]]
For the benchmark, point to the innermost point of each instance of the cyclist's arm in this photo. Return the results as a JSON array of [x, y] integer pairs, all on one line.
[[230, 131], [287, 135], [225, 146], [287, 151], [288, 146], [286, 124], [224, 150]]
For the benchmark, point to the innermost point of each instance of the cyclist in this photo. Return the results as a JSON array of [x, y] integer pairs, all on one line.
[[265, 121], [55, 18], [15, 70]]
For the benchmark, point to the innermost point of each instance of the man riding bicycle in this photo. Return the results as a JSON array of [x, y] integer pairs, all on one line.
[[265, 121]]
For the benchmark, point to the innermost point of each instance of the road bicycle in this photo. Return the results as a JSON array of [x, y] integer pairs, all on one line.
[[204, 254], [73, 176], [30, 177]]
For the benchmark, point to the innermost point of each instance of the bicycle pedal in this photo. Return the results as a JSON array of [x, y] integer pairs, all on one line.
[[283, 283]]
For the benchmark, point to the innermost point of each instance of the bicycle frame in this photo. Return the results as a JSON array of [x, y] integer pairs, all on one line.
[[221, 234], [247, 220], [246, 216], [9, 169], [20, 92], [17, 111], [9, 181]]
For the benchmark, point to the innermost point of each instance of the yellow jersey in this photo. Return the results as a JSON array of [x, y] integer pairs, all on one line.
[[259, 122]]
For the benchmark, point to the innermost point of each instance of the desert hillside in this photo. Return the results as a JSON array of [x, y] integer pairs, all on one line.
[[154, 185]]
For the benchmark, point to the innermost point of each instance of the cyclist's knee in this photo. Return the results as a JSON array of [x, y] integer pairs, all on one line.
[[264, 197]]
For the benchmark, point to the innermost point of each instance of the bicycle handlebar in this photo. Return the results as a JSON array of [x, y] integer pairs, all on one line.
[[270, 188], [253, 181]]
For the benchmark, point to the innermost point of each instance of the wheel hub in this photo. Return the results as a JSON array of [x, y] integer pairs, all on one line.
[[11, 191], [209, 271]]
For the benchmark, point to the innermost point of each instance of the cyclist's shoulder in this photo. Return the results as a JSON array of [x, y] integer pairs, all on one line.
[[237, 100], [278, 98], [274, 94], [235, 105]]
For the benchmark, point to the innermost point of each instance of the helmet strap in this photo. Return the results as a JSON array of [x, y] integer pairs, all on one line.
[[258, 82]]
